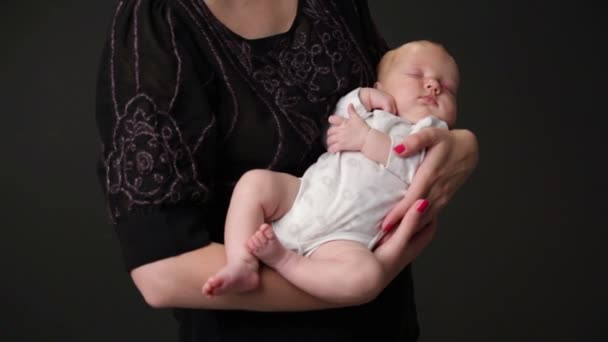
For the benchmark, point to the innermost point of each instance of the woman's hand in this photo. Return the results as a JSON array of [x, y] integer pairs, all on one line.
[[450, 159], [401, 245]]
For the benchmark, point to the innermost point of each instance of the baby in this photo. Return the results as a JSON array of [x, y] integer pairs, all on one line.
[[326, 223]]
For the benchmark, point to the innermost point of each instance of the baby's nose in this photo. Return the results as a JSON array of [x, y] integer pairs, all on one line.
[[433, 85]]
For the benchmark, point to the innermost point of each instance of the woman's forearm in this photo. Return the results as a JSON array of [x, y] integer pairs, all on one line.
[[176, 283]]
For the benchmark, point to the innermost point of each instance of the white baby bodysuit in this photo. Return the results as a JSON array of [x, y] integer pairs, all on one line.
[[345, 195]]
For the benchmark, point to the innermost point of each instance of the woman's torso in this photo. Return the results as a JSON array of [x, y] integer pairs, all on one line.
[[270, 100]]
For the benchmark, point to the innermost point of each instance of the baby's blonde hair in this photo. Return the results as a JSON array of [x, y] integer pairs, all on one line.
[[388, 59]]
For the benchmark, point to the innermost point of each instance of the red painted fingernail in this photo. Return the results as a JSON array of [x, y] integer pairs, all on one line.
[[387, 228], [422, 206], [399, 148]]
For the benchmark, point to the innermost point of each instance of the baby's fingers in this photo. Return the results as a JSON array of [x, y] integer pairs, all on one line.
[[335, 120]]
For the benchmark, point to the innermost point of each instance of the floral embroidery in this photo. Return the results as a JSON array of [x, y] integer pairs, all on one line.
[[148, 163], [296, 74], [296, 77]]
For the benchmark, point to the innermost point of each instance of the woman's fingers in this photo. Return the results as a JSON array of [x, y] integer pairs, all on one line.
[[420, 140], [398, 211], [450, 158], [408, 239], [421, 239], [418, 189]]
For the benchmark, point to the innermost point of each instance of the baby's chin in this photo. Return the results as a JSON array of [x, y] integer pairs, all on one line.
[[417, 113]]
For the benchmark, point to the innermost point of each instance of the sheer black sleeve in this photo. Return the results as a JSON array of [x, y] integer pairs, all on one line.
[[158, 132]]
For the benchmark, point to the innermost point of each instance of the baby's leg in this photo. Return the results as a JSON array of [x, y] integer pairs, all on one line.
[[258, 196], [343, 272]]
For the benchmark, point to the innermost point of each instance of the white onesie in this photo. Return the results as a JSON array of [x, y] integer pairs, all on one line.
[[345, 195]]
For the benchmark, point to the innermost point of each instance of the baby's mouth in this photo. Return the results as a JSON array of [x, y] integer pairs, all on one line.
[[429, 99]]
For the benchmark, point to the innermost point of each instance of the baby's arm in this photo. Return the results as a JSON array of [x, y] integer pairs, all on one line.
[[355, 135], [372, 98]]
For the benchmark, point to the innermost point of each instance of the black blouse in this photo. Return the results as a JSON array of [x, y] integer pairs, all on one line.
[[185, 106]]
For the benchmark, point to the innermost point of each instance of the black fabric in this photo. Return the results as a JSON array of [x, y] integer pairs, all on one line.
[[185, 107], [159, 234]]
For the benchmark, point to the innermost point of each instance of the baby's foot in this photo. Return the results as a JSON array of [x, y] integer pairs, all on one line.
[[232, 278], [264, 245]]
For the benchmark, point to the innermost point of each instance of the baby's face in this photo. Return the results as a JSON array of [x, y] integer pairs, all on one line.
[[423, 78]]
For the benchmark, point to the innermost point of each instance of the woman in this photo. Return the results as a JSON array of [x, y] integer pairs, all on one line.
[[192, 94]]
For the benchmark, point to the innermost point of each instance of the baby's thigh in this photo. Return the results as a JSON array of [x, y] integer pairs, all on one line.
[[353, 260], [344, 250], [276, 191]]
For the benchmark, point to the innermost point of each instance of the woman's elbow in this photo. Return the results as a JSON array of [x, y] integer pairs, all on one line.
[[469, 140], [151, 286]]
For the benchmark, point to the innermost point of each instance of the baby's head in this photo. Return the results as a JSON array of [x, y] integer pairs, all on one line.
[[423, 79]]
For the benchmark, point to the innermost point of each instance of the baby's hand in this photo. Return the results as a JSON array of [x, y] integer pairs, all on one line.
[[347, 134], [372, 98]]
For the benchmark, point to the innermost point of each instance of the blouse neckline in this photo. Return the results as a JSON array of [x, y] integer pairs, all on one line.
[[220, 24]]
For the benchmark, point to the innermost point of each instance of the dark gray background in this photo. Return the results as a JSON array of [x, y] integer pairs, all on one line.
[[519, 255]]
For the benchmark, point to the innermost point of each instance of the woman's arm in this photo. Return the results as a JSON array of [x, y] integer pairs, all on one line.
[[177, 282]]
